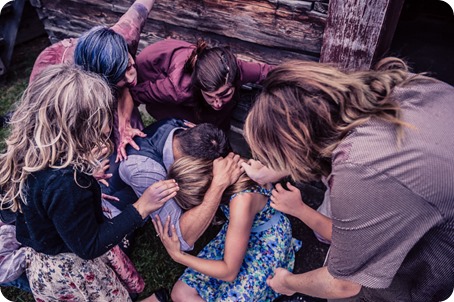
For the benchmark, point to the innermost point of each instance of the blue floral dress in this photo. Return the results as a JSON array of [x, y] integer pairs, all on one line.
[[270, 246]]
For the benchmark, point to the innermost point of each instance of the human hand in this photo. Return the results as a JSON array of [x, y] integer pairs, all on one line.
[[126, 137], [109, 197], [260, 173], [189, 124], [155, 196], [226, 171], [100, 172], [278, 282], [287, 201], [171, 243]]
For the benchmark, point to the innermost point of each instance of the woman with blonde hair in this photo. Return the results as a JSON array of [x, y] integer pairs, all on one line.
[[379, 139], [46, 179], [254, 241]]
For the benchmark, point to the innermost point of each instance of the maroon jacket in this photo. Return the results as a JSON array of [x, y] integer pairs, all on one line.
[[166, 89]]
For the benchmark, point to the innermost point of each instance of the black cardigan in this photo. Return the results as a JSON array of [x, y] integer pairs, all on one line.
[[63, 216]]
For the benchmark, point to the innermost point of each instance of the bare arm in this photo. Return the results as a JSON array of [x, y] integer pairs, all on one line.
[[196, 220], [242, 213], [317, 283], [290, 202], [130, 25], [125, 108]]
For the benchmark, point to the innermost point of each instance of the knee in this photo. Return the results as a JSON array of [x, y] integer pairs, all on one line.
[[181, 292]]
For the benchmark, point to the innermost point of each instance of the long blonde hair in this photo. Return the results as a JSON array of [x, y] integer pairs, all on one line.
[[61, 118], [306, 108], [194, 176]]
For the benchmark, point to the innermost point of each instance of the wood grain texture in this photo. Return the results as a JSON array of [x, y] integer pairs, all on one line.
[[266, 30]]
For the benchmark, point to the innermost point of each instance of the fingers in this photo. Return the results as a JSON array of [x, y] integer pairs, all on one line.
[[157, 224], [164, 190], [166, 228], [110, 197], [189, 124], [121, 152], [104, 182], [292, 187], [139, 133], [278, 187], [134, 145]]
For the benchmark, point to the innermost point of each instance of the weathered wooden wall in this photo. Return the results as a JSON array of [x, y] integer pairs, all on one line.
[[266, 30], [359, 32]]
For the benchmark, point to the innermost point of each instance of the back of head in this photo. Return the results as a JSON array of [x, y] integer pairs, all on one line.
[[203, 141], [194, 176], [213, 67], [103, 51], [63, 115], [305, 108]]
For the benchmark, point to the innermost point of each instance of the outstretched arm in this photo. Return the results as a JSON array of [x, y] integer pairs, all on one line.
[[317, 283], [132, 22], [242, 213], [290, 202], [196, 220]]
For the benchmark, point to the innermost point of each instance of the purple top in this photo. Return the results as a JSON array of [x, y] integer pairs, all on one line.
[[166, 89]]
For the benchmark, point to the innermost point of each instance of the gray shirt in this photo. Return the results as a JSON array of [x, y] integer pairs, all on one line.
[[140, 172], [393, 206]]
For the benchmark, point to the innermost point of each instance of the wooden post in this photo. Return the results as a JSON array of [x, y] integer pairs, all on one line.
[[9, 24], [358, 31]]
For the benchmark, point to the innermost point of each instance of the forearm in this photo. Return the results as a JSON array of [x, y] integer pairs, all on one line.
[[125, 108], [318, 222], [214, 268], [320, 283], [132, 22], [195, 221], [147, 3]]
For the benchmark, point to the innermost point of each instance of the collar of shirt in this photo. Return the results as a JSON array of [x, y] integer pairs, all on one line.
[[167, 152]]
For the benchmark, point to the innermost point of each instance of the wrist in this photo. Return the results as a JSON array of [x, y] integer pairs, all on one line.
[[302, 211], [218, 185], [141, 208], [179, 256]]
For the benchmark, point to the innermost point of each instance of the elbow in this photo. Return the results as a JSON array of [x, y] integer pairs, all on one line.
[[347, 289], [230, 276]]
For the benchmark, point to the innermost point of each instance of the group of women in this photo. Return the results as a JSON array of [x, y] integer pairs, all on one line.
[[377, 138]]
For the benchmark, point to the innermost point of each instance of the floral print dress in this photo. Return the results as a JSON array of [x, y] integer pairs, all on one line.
[[270, 246]]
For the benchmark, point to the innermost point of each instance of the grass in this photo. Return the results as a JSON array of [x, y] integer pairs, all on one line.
[[149, 255]]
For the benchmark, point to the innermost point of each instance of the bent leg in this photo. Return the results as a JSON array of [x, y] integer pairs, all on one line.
[[183, 292]]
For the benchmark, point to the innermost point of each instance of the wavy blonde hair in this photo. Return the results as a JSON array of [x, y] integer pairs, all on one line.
[[63, 116], [306, 108], [194, 176]]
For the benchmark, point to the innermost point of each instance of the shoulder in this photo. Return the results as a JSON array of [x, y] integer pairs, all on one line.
[[61, 179], [248, 199]]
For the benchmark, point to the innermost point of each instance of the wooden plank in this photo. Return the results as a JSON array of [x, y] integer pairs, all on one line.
[[156, 31], [353, 32], [290, 25]]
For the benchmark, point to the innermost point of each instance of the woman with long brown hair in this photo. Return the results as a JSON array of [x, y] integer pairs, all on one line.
[[254, 241], [379, 139], [197, 83]]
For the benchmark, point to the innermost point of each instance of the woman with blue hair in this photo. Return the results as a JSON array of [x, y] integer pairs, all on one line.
[[108, 52]]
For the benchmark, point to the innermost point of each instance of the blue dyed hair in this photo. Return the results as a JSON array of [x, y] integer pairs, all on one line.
[[103, 51]]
